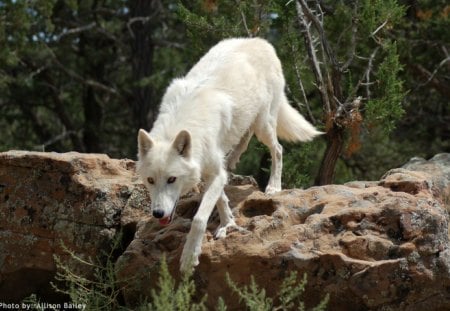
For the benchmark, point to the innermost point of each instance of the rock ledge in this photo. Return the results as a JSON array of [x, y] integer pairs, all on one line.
[[371, 245]]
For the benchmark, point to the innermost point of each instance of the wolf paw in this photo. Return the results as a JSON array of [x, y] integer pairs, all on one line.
[[188, 261], [272, 190], [221, 231], [190, 254]]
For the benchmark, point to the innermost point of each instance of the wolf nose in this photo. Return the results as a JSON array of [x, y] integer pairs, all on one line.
[[158, 213]]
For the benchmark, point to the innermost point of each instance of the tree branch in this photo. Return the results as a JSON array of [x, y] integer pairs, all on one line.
[[300, 83], [365, 79], [76, 30], [379, 28], [351, 51], [55, 139], [431, 76], [74, 75], [440, 86], [156, 7], [244, 20], [318, 25], [131, 21], [309, 42]]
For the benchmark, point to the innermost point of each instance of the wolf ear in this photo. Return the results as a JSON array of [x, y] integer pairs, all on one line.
[[182, 144], [145, 143]]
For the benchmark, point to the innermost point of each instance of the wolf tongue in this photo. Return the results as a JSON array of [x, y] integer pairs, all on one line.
[[164, 221]]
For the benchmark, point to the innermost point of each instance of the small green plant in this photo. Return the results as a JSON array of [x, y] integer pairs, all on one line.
[[33, 303], [170, 296], [98, 293], [288, 297]]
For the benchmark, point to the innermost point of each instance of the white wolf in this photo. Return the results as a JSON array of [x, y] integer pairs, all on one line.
[[205, 122]]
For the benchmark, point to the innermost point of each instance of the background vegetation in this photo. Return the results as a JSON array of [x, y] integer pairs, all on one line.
[[86, 75]]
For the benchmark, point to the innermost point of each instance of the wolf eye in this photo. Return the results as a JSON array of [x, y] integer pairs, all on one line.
[[171, 180], [150, 180]]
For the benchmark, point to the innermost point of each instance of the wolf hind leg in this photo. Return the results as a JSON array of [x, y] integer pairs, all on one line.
[[226, 218], [235, 154], [225, 215], [268, 136]]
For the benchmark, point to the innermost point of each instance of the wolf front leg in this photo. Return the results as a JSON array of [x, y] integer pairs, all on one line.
[[193, 245]]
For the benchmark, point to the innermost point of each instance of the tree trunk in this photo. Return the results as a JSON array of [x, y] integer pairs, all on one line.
[[92, 120], [92, 110], [335, 142], [335, 134], [143, 106]]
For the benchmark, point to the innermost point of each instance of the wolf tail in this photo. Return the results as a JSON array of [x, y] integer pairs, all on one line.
[[292, 126]]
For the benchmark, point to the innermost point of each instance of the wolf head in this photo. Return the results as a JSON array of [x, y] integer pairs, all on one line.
[[167, 170]]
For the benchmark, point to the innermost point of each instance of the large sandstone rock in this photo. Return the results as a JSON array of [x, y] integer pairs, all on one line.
[[370, 245], [48, 200]]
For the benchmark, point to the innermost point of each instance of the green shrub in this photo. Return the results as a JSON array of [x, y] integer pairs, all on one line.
[[287, 298], [99, 293], [168, 296], [102, 291]]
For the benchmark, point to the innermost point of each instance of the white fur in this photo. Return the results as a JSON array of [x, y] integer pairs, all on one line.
[[234, 91]]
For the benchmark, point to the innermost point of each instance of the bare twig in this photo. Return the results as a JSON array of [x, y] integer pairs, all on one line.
[[318, 25], [365, 79], [244, 20], [351, 51], [369, 71], [379, 28], [79, 78], [161, 42], [55, 139], [111, 36], [431, 77], [436, 83], [300, 84], [76, 30], [309, 41], [38, 71], [444, 49], [141, 19], [94, 26], [131, 21]]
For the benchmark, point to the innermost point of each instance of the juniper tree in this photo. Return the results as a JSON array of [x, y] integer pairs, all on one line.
[[339, 60]]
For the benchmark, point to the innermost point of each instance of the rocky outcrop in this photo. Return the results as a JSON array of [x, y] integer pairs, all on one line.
[[49, 201], [371, 245]]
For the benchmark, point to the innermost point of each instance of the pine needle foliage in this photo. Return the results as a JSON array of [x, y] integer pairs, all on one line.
[[387, 109]]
